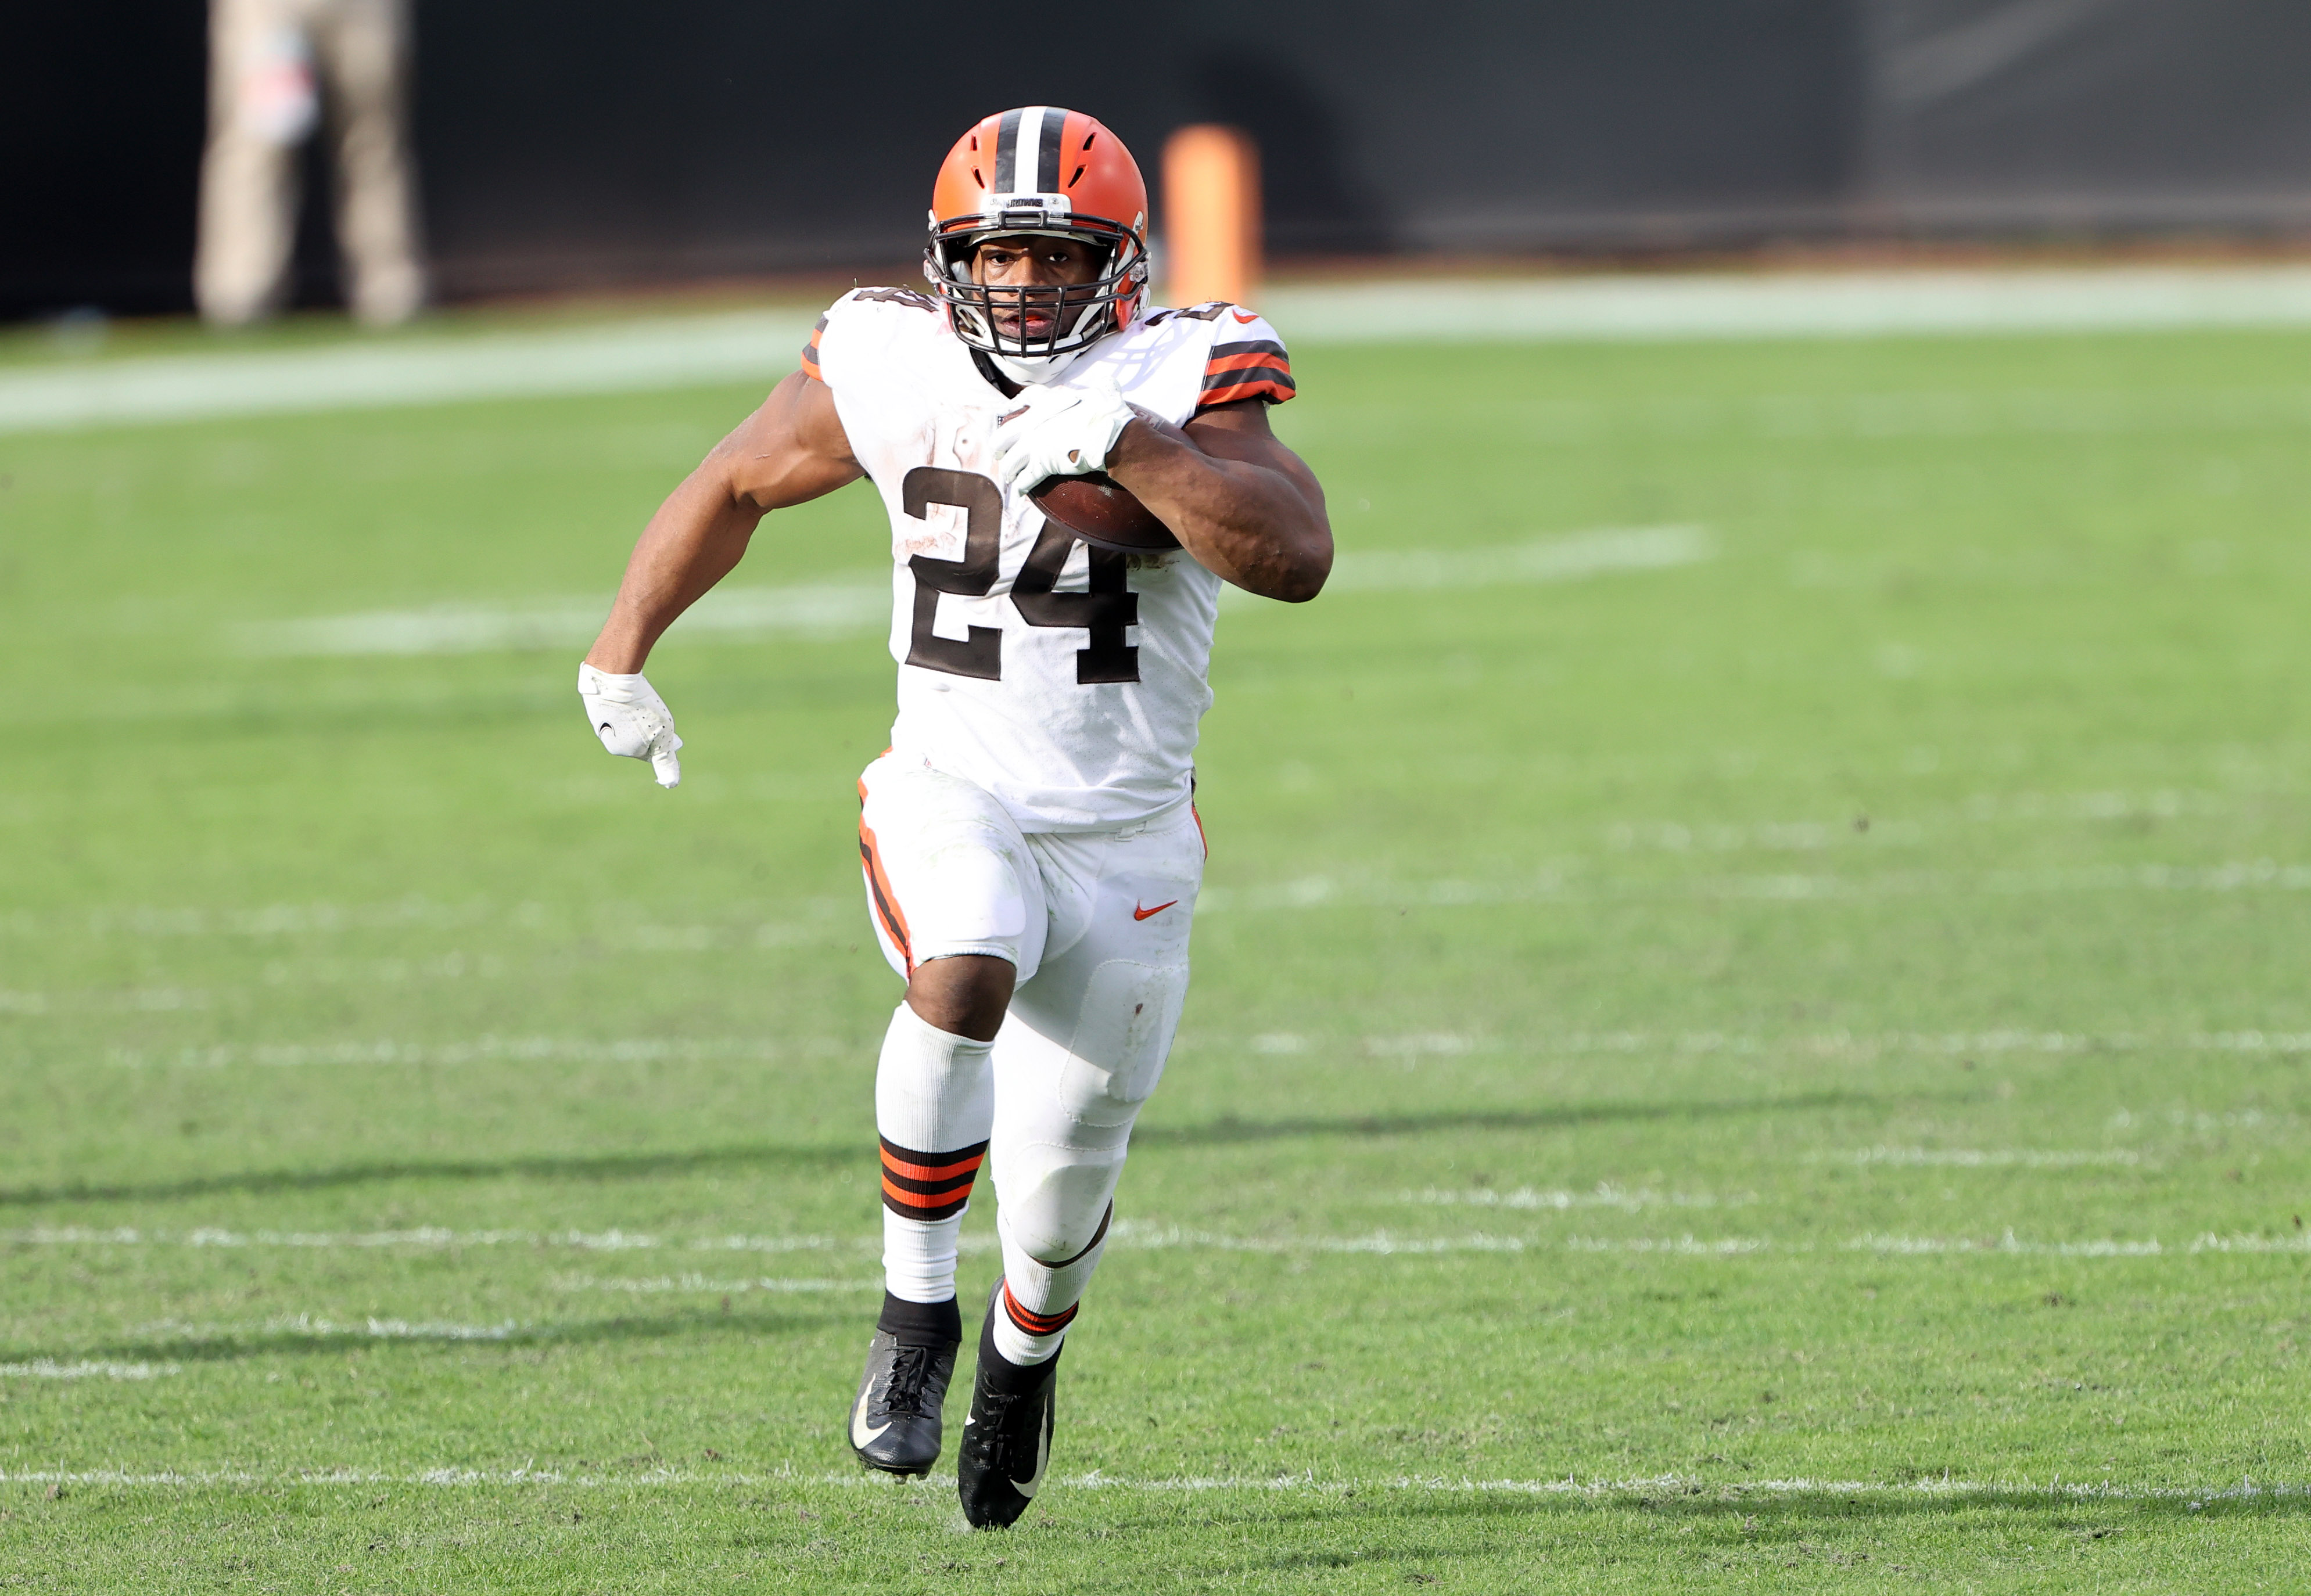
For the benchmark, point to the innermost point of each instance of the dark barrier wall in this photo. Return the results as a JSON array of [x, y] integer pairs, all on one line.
[[599, 142]]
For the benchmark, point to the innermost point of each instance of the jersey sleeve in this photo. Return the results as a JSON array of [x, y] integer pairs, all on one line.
[[813, 362], [860, 321], [1247, 361]]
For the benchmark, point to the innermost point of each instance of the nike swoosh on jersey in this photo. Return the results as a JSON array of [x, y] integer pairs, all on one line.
[[1139, 913], [860, 1435]]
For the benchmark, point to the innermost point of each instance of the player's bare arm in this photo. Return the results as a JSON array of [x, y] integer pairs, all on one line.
[[790, 451], [1246, 506]]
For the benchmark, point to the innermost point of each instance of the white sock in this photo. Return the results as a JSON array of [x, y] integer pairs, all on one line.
[[934, 1109]]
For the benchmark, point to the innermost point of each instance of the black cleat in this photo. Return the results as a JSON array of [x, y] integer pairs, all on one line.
[[1006, 1441], [894, 1423]]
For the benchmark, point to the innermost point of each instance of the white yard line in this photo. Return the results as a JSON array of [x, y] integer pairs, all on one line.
[[704, 1286], [840, 608], [1128, 1234], [1559, 1201], [2052, 1490], [859, 605], [1407, 1048], [759, 347], [613, 1240], [2206, 1241], [1563, 885], [42, 1368], [1982, 1157]]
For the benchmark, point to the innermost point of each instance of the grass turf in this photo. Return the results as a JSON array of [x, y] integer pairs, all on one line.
[[1783, 1073]]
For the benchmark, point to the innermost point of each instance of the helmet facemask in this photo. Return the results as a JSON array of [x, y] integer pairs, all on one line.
[[1079, 314]]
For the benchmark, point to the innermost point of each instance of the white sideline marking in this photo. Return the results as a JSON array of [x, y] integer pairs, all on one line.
[[1798, 304], [622, 357], [2052, 1490], [850, 607], [42, 1368], [761, 346]]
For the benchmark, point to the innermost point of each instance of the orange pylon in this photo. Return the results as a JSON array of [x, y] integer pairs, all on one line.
[[1211, 216]]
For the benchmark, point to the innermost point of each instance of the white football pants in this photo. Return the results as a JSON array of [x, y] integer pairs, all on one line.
[[1096, 924]]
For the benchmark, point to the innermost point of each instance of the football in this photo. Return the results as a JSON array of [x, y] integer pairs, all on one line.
[[1100, 510]]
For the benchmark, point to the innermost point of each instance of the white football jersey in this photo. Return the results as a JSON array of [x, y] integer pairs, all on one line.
[[1068, 681]]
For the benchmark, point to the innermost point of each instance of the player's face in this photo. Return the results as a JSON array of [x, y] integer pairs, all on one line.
[[1029, 263]]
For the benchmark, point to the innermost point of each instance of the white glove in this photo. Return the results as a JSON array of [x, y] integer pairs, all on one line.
[[1058, 432], [632, 721]]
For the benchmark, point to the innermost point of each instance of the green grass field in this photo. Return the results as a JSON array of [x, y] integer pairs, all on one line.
[[1785, 1071]]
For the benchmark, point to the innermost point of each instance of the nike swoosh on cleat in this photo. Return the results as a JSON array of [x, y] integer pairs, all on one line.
[[1035, 1482], [862, 1436], [1139, 913], [1240, 316]]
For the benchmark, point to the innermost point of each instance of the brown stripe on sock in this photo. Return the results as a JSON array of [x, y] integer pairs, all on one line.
[[1033, 1323]]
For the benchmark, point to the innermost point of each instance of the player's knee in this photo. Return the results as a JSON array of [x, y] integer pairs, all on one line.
[[965, 994], [1122, 1037], [1061, 1213]]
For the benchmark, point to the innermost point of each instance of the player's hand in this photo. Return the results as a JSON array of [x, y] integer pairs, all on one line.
[[632, 721], [1058, 432]]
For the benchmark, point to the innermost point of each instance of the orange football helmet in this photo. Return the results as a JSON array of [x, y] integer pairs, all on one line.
[[1040, 169]]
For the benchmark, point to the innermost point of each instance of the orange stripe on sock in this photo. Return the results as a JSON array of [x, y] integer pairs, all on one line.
[[925, 1200], [1033, 1323], [932, 1172]]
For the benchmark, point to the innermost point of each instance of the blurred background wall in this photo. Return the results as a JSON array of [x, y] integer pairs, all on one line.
[[569, 145]]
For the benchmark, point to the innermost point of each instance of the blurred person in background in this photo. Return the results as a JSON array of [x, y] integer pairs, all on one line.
[[264, 102]]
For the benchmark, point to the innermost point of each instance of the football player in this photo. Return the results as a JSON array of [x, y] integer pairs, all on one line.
[[1029, 843]]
